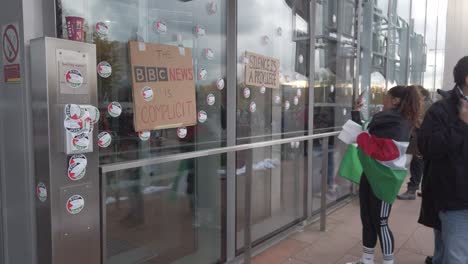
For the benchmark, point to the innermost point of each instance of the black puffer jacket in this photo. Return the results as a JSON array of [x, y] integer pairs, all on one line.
[[443, 142]]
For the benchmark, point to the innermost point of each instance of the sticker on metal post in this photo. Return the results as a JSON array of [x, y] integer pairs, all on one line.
[[75, 204], [41, 192], [80, 141], [74, 78], [76, 171]]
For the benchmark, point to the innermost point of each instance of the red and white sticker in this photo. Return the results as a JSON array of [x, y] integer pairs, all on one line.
[[144, 135], [246, 93], [199, 31], [202, 74], [182, 132], [262, 89], [202, 116], [74, 125], [210, 99], [301, 59], [94, 113], [253, 107], [78, 158], [287, 105], [102, 29], [74, 78], [160, 26], [80, 141], [41, 192], [114, 109], [104, 69], [277, 99], [75, 204], [73, 111], [299, 93], [76, 171], [212, 7], [104, 139], [209, 54], [147, 93], [220, 84], [296, 100]]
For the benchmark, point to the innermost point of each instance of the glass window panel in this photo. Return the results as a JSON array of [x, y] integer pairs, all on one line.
[[418, 43], [136, 20]]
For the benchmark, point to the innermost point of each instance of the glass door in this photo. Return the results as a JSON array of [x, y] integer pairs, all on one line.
[[172, 212]]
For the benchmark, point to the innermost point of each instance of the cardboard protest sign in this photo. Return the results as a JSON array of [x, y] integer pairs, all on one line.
[[163, 86], [262, 71]]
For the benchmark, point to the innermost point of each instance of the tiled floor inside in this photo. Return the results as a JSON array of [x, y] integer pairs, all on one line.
[[342, 241]]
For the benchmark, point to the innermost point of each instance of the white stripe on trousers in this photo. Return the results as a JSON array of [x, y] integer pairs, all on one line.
[[385, 233]]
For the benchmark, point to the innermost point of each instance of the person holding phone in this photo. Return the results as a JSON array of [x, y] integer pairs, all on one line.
[[382, 153], [443, 142]]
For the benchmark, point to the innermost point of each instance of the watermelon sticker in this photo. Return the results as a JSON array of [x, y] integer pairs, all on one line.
[[73, 111], [102, 29], [182, 132], [78, 158], [41, 192], [74, 125], [202, 75], [296, 100], [76, 171], [94, 113], [104, 139], [104, 69], [74, 78], [160, 27], [220, 84], [253, 107], [147, 93], [210, 99], [75, 204], [277, 99], [202, 116], [80, 141], [199, 31], [262, 89], [209, 54], [246, 92], [144, 135], [114, 109], [287, 105]]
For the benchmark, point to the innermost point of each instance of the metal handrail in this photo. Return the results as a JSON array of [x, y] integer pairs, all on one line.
[[196, 154]]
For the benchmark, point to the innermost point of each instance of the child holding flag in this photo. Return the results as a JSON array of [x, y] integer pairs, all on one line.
[[380, 160]]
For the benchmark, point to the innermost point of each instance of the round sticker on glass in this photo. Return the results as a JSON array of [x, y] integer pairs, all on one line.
[[209, 54], [199, 31], [147, 93], [253, 107], [182, 132], [160, 27], [104, 69], [114, 109], [94, 113], [144, 135], [202, 74], [76, 171], [75, 204], [262, 89], [104, 139], [220, 84], [277, 99], [102, 29], [74, 78], [287, 105], [73, 111], [78, 158], [246, 92], [80, 141], [202, 116], [41, 192], [210, 99], [296, 100]]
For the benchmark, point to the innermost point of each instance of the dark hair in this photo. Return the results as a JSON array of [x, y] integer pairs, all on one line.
[[460, 72], [410, 102], [422, 91]]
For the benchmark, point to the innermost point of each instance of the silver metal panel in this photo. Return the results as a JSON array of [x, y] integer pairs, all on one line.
[[51, 163], [323, 197]]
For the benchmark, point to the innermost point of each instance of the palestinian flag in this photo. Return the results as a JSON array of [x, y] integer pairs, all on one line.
[[382, 160]]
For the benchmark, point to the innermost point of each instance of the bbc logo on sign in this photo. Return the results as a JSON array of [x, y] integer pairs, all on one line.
[[150, 74]]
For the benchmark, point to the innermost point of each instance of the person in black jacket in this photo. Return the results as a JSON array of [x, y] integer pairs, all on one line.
[[443, 142]]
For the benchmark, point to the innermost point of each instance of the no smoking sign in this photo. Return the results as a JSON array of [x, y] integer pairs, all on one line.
[[10, 50]]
